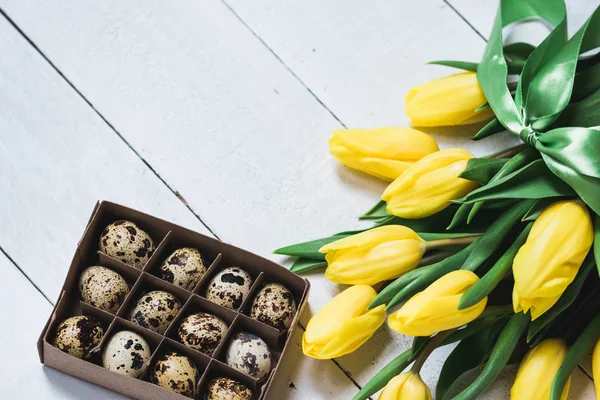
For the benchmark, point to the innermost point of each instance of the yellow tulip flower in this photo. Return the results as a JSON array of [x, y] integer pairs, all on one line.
[[373, 256], [537, 371], [596, 368], [407, 386], [447, 101], [385, 152], [435, 309], [549, 260], [427, 186], [343, 324]]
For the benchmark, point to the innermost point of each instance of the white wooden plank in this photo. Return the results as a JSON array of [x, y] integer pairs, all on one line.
[[24, 313], [57, 158], [194, 94], [481, 15]]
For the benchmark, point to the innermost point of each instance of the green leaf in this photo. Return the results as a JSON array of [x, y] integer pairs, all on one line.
[[378, 382], [533, 181], [503, 349], [303, 265], [491, 128], [534, 212], [460, 216], [518, 161], [597, 243], [468, 355], [582, 346], [565, 301], [378, 211], [497, 273], [311, 248], [482, 169], [464, 65], [491, 240], [408, 287]]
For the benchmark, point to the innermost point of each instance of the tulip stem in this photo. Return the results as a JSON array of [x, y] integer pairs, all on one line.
[[510, 152], [497, 310], [433, 344], [461, 241]]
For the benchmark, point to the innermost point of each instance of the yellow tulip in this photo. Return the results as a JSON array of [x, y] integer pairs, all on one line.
[[537, 371], [427, 187], [343, 324], [447, 101], [549, 260], [407, 386], [373, 256], [596, 368], [436, 308], [385, 152]]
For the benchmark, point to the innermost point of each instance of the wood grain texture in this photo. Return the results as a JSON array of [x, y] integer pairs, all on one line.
[[57, 158], [227, 125], [24, 313]]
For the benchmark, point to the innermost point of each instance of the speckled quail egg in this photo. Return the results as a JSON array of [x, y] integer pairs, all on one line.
[[184, 268], [202, 332], [227, 389], [249, 354], [229, 287], [103, 288], [177, 373], [126, 242], [274, 305], [155, 310], [126, 353], [78, 335]]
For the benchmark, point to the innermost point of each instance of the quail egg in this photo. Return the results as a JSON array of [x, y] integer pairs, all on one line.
[[229, 287], [155, 310], [177, 373], [103, 288], [202, 332], [249, 354], [274, 305], [184, 268], [78, 335], [126, 242], [126, 353], [227, 389]]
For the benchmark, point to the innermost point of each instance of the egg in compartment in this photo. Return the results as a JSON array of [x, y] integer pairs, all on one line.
[[227, 389], [103, 288], [155, 310], [177, 373], [126, 242], [274, 305], [126, 353], [78, 335], [184, 268], [202, 331], [249, 354], [229, 287]]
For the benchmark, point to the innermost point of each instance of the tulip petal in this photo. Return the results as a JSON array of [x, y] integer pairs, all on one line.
[[354, 333], [372, 236], [408, 386], [539, 366]]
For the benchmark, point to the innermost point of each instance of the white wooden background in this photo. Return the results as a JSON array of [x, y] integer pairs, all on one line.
[[214, 114]]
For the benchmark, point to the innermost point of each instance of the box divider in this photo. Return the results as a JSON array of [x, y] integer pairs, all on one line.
[[131, 297], [177, 320], [159, 253], [210, 272], [256, 286]]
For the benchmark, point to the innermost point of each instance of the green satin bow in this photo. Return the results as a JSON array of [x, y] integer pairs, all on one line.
[[544, 90]]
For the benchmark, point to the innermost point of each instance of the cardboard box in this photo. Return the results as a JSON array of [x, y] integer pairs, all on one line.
[[167, 237]]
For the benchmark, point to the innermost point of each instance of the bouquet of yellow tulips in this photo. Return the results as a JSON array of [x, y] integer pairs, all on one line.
[[495, 253]]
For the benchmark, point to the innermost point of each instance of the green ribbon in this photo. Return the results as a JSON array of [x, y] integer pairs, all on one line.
[[544, 91]]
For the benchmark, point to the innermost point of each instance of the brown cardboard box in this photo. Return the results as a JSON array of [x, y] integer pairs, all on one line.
[[168, 237]]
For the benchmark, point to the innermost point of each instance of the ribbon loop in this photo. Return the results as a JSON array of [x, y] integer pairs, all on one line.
[[528, 135]]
